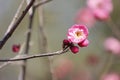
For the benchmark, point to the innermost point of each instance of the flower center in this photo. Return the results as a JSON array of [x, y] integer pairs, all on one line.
[[78, 33]]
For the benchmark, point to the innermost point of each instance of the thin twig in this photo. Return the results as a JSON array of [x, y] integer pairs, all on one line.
[[42, 31], [4, 64], [43, 39], [7, 63], [114, 28], [28, 39], [25, 57], [41, 3], [15, 25]]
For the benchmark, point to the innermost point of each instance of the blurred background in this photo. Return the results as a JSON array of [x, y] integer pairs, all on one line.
[[89, 64]]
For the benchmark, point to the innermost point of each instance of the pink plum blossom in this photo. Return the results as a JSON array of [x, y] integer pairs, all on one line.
[[112, 45], [85, 16], [111, 76], [77, 33], [100, 8]]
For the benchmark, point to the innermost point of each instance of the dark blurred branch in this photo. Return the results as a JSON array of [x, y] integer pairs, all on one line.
[[15, 25], [25, 57], [114, 28]]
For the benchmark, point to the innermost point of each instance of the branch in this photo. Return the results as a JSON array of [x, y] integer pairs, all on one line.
[[15, 17], [35, 56], [8, 62], [31, 12], [15, 25]]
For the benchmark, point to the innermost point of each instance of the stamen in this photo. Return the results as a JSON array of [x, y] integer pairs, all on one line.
[[78, 33]]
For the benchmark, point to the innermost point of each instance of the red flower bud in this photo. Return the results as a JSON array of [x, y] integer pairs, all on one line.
[[74, 49], [16, 48], [85, 43], [65, 43]]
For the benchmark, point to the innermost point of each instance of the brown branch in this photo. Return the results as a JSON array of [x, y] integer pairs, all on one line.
[[31, 12], [15, 16], [15, 25], [35, 56]]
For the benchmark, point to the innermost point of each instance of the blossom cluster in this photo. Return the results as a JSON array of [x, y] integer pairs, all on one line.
[[77, 34], [95, 10]]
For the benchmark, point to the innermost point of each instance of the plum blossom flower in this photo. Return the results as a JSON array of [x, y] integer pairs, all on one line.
[[100, 8], [112, 45], [86, 17], [77, 33], [111, 76]]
